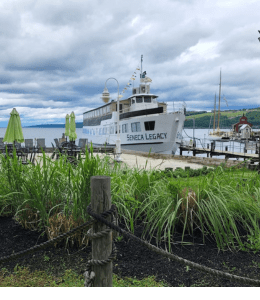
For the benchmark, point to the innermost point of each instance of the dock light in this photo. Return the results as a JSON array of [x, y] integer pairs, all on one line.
[[105, 97]]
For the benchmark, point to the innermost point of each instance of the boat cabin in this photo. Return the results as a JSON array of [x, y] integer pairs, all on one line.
[[140, 101]]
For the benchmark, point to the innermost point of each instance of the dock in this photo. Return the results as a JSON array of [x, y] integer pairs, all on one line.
[[211, 151]]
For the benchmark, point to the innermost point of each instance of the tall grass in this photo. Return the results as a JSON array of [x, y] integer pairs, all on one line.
[[53, 195]]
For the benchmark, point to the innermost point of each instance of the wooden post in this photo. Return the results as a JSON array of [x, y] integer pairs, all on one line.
[[101, 247]]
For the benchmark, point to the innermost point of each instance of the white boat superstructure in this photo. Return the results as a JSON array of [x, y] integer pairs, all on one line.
[[144, 124]]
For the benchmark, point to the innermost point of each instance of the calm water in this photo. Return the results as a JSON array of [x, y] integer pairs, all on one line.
[[49, 134], [200, 134]]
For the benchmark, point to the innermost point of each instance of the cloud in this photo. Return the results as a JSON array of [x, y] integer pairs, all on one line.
[[55, 56]]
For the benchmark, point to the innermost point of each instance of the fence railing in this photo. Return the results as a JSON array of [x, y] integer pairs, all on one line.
[[231, 146], [99, 269]]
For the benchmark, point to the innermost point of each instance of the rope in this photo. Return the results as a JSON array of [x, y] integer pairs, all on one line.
[[244, 280], [195, 139], [89, 274], [61, 237]]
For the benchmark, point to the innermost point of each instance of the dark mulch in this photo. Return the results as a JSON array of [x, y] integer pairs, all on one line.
[[133, 259]]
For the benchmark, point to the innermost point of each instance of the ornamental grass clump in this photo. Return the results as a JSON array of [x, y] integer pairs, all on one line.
[[189, 208], [44, 195], [227, 212], [59, 224], [11, 181], [52, 196]]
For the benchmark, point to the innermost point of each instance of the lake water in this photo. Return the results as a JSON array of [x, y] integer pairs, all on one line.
[[49, 134], [201, 135]]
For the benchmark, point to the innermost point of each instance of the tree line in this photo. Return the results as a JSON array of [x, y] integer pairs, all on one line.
[[253, 117]]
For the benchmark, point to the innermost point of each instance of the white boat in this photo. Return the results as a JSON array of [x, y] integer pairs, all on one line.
[[144, 124]]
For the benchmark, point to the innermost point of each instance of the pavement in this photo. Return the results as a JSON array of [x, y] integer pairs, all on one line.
[[142, 162]]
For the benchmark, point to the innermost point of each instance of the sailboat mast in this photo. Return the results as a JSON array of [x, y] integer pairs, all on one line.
[[214, 114], [219, 99]]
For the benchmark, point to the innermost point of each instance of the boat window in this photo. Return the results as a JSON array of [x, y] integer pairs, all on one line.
[[149, 125], [133, 101], [104, 130], [125, 128], [147, 99], [119, 129], [111, 129], [135, 127], [100, 131], [139, 99]]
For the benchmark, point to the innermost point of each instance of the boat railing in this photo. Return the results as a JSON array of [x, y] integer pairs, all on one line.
[[127, 109], [181, 108]]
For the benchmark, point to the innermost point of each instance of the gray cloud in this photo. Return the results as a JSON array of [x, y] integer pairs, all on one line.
[[55, 56]]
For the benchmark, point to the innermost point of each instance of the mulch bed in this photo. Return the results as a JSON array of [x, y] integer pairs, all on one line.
[[133, 259]]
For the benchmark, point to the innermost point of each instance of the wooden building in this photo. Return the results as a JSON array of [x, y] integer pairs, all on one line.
[[242, 121]]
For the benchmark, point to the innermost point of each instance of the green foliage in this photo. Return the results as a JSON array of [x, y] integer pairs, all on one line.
[[253, 242], [22, 277], [227, 119], [213, 200]]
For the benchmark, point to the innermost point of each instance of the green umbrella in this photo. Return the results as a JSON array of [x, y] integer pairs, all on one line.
[[67, 125], [14, 130], [72, 134]]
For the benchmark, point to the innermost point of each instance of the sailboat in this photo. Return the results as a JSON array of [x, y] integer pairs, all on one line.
[[217, 133]]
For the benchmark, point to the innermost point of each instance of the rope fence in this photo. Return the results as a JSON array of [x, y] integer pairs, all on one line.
[[99, 269]]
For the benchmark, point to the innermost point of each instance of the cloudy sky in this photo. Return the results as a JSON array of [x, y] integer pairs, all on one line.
[[55, 55]]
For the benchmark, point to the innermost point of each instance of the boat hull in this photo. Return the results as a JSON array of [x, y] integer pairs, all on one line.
[[165, 138]]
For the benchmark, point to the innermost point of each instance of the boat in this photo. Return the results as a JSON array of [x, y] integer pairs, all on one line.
[[218, 134], [144, 123]]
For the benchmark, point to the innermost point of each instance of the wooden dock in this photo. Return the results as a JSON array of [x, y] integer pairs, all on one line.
[[213, 152]]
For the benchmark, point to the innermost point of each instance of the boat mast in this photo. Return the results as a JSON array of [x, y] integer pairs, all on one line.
[[219, 100], [214, 114]]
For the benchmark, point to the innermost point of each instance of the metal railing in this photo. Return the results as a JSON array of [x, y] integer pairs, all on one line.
[[231, 145]]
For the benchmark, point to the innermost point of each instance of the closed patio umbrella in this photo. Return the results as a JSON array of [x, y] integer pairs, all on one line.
[[67, 125], [72, 134], [14, 130]]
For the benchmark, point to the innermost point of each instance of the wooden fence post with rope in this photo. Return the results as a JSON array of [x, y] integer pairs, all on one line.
[[101, 247]]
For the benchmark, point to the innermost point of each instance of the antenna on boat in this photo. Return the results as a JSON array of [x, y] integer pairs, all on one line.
[[141, 66]]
